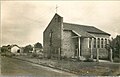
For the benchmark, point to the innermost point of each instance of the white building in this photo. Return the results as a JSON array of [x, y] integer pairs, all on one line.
[[15, 49]]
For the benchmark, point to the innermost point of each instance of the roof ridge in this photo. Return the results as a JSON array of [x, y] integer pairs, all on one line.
[[57, 14], [85, 28], [77, 24]]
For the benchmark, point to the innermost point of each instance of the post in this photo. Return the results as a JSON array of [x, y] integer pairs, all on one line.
[[111, 59], [97, 55], [91, 49], [77, 53], [79, 47]]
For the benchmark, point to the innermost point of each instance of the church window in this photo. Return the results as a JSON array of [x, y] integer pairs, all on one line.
[[90, 40], [94, 42], [98, 43], [59, 19], [50, 36], [105, 41], [102, 43]]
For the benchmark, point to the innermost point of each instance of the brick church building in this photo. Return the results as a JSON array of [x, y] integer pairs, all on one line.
[[69, 40]]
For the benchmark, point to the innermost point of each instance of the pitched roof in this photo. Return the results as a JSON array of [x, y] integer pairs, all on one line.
[[83, 30], [52, 20], [15, 46]]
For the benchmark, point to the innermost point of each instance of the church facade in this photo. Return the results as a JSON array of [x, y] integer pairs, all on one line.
[[69, 40]]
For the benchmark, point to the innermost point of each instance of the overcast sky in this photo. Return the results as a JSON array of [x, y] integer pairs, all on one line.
[[23, 22]]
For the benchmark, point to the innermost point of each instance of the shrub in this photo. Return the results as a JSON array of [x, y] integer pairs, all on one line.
[[89, 60], [116, 60], [64, 57], [3, 54], [34, 55], [48, 57]]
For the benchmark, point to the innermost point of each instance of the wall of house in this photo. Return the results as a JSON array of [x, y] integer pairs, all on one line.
[[103, 53], [56, 27], [14, 49], [85, 51], [68, 44]]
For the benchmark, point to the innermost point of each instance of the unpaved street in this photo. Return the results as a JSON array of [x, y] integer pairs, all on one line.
[[14, 67]]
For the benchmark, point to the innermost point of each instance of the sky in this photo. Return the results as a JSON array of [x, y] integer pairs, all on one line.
[[23, 22]]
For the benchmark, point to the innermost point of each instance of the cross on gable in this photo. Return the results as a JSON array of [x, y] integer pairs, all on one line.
[[56, 8]]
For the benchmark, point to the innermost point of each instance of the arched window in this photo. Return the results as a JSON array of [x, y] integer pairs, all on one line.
[[105, 41], [98, 43], [59, 19], [94, 42], [50, 36], [102, 43]]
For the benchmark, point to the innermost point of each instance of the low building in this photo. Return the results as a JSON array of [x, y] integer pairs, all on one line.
[[15, 49]]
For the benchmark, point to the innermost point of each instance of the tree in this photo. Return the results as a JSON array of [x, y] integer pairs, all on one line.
[[117, 46], [28, 48], [38, 45], [6, 48], [114, 44]]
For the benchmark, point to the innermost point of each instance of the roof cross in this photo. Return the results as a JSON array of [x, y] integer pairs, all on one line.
[[56, 8]]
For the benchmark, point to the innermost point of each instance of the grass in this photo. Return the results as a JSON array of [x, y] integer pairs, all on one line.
[[82, 68]]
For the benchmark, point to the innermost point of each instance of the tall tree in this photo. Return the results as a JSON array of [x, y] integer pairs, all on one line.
[[117, 46], [38, 45], [28, 48], [114, 44]]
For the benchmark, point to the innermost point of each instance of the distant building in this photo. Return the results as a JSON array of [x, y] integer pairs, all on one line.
[[15, 49], [73, 40]]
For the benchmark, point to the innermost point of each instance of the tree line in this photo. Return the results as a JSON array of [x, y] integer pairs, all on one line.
[[26, 49]]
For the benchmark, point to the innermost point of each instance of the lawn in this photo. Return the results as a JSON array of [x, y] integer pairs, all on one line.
[[89, 68]]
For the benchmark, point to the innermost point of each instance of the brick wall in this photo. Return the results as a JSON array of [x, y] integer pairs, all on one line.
[[86, 52], [55, 26], [68, 44], [103, 53], [84, 47], [62, 41]]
